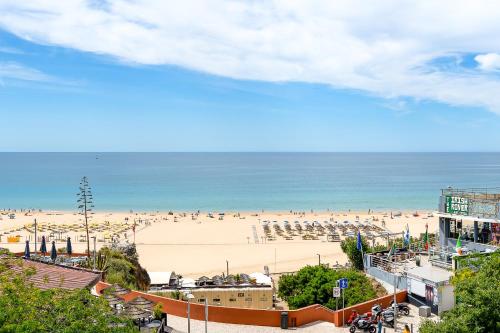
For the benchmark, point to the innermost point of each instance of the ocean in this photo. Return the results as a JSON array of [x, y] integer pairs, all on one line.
[[241, 181]]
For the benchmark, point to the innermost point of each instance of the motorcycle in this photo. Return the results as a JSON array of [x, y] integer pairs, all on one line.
[[386, 315], [355, 314], [403, 308], [364, 323]]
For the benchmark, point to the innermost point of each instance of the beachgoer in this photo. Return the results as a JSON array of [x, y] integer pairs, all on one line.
[[407, 329], [379, 325]]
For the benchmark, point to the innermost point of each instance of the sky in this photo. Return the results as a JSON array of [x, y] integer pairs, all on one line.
[[362, 76]]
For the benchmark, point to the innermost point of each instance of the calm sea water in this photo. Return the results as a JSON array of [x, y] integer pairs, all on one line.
[[241, 181]]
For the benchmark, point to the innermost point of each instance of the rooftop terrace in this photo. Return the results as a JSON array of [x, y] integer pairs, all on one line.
[[485, 193]]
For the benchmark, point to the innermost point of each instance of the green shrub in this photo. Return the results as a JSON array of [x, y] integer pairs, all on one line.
[[478, 298], [314, 285], [349, 247], [158, 310]]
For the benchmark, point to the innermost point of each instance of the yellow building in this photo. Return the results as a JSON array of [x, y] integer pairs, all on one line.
[[254, 291], [239, 297]]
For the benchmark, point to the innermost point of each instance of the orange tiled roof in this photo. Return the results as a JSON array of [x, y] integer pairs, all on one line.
[[49, 276]]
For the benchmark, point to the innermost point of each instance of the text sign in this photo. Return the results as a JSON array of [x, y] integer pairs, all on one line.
[[336, 292], [343, 283], [457, 205]]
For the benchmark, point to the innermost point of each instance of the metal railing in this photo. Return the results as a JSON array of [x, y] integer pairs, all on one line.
[[487, 193], [440, 257]]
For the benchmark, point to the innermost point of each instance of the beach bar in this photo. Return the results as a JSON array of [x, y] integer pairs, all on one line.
[[474, 215]]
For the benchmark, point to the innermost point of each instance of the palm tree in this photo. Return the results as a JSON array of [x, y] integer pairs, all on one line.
[[85, 205]]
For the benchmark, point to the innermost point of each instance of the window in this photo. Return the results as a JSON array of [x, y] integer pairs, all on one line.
[[248, 299], [232, 300], [263, 299], [201, 300], [216, 300], [241, 294]]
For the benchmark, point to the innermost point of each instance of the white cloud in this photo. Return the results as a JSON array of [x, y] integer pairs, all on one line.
[[10, 50], [12, 70], [488, 61], [379, 47]]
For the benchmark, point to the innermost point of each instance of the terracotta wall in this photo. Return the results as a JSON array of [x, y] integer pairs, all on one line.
[[367, 306], [257, 317]]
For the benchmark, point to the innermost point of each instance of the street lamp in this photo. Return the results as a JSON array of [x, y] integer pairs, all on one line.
[[395, 305], [189, 297], [319, 259]]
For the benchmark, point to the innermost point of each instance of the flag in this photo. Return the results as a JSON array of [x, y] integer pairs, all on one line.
[[458, 246], [407, 235], [426, 238], [359, 245], [392, 251]]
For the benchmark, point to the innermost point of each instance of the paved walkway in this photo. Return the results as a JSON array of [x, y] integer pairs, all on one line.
[[180, 326]]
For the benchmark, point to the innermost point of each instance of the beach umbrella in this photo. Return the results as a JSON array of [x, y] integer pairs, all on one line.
[[113, 300], [69, 248], [27, 250], [117, 290], [135, 313], [141, 303], [43, 246], [53, 251]]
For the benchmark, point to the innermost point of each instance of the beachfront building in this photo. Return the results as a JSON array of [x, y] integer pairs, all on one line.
[[163, 280], [471, 215], [251, 291], [474, 214]]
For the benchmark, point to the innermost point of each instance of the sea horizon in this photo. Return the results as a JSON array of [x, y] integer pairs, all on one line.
[[241, 181]]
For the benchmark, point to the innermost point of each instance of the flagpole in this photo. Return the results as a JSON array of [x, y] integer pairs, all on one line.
[[362, 258]]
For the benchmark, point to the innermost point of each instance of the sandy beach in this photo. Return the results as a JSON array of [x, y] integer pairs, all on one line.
[[193, 244]]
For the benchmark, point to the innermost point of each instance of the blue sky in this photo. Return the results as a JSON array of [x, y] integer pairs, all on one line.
[[57, 94]]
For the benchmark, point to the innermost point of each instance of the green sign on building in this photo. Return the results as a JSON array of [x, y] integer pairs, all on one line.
[[457, 205]]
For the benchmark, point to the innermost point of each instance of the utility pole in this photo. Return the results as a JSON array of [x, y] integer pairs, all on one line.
[[395, 306], [95, 252], [319, 259], [206, 315], [85, 205], [275, 260], [35, 238], [227, 267], [133, 229]]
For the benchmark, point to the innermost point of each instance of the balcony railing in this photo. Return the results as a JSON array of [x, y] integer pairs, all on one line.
[[486, 193]]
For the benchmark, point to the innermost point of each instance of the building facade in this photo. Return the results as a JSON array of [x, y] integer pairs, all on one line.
[[474, 214], [253, 291]]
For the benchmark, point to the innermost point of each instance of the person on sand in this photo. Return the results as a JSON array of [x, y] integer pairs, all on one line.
[[379, 325], [407, 329]]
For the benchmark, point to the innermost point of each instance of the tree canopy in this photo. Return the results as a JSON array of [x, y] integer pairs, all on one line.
[[25, 308], [349, 247], [121, 265], [314, 285], [477, 294]]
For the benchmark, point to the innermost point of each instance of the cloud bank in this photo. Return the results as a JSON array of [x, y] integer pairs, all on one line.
[[384, 48]]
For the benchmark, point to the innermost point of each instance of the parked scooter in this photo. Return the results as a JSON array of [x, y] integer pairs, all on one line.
[[364, 323], [355, 314], [386, 315], [403, 308]]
